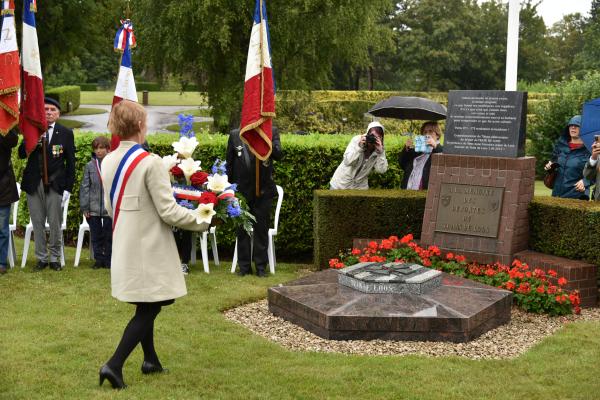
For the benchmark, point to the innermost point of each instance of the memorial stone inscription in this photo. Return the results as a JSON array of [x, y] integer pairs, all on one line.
[[486, 123], [469, 209]]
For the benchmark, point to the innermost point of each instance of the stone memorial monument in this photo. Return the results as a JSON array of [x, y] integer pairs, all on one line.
[[481, 186]]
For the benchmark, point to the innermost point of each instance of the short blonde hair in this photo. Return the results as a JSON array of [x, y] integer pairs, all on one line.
[[435, 126], [125, 119]]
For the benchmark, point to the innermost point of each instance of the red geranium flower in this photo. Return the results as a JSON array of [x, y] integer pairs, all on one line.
[[552, 273], [208, 197], [198, 178], [386, 244], [449, 256], [356, 252], [510, 285], [407, 238], [460, 258], [551, 289], [176, 172], [562, 281], [524, 288], [394, 239], [540, 289], [333, 262], [426, 262]]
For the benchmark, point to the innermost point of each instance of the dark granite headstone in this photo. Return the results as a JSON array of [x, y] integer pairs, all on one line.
[[486, 123]]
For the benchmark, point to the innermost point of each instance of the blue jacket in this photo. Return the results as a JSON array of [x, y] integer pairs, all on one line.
[[570, 170]]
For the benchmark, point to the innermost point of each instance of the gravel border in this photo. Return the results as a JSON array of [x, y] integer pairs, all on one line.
[[523, 331]]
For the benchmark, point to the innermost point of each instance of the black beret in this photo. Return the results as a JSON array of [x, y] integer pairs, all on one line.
[[54, 102]]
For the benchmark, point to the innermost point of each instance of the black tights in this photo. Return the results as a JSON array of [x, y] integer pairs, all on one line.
[[139, 330]]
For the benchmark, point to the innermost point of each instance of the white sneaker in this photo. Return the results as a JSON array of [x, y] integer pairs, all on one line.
[[185, 269]]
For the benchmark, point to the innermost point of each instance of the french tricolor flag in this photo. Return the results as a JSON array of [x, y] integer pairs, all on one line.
[[258, 108], [33, 116], [124, 41], [10, 70]]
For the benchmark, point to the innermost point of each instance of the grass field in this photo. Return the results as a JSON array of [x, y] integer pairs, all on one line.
[[154, 98], [59, 327]]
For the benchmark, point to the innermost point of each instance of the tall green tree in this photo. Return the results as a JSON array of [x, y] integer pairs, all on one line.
[[534, 57], [565, 45], [589, 57], [209, 40]]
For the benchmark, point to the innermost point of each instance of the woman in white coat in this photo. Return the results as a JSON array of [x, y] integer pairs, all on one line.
[[145, 268]]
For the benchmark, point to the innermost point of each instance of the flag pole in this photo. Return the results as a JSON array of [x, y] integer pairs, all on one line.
[[256, 160]]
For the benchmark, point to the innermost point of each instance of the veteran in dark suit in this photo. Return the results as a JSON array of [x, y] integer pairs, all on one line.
[[241, 169], [46, 201]]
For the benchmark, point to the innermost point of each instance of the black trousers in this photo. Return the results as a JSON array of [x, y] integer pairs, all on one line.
[[260, 207], [183, 239], [101, 235]]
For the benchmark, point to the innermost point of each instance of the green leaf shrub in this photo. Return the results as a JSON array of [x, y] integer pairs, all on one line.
[[308, 164], [65, 95], [565, 227]]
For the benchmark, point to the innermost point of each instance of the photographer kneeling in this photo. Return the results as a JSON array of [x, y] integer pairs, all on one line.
[[364, 153], [415, 161]]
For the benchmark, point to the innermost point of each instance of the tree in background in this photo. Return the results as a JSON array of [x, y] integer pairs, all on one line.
[[534, 58], [210, 41], [565, 44]]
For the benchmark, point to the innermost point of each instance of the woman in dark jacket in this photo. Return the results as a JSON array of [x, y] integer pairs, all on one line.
[[8, 192], [571, 155], [416, 165]]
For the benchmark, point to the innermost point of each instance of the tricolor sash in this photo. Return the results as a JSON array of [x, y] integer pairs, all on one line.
[[131, 160]]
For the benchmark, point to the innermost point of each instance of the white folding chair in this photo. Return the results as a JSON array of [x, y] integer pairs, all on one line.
[[12, 227], [83, 228], [204, 248], [272, 233], [63, 228]]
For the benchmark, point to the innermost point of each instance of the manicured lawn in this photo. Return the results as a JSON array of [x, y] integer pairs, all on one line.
[[154, 98], [196, 126], [198, 112], [70, 123], [541, 190], [59, 327], [87, 111]]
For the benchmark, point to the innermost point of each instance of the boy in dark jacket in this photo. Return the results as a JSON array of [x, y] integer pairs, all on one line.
[[91, 202]]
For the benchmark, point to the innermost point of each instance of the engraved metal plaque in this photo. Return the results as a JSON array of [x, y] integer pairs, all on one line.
[[469, 209]]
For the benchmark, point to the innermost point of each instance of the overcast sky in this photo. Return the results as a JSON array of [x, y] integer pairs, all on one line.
[[553, 10]]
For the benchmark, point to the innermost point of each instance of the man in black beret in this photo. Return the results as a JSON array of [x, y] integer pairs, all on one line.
[[46, 201]]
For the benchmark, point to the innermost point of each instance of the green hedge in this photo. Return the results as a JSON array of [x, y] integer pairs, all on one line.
[[343, 215], [88, 87], [566, 228], [69, 97], [150, 86], [308, 164]]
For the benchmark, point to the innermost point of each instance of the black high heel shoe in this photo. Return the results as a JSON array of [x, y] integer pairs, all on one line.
[[115, 380], [150, 368]]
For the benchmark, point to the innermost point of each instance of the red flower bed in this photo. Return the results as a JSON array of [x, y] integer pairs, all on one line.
[[533, 288]]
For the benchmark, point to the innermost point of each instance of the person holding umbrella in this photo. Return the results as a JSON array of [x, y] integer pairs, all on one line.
[[570, 155], [363, 154], [416, 163]]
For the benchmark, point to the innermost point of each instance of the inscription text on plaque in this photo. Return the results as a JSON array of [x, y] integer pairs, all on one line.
[[469, 209]]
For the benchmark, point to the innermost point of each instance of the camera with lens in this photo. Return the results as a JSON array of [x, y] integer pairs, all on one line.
[[371, 138]]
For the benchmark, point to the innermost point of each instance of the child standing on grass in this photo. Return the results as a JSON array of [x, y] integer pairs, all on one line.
[[91, 202]]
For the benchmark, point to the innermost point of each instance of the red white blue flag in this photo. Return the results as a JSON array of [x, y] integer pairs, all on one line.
[[33, 116], [258, 108], [124, 42], [10, 69]]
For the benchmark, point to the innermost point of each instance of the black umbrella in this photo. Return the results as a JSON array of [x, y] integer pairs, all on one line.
[[401, 107]]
